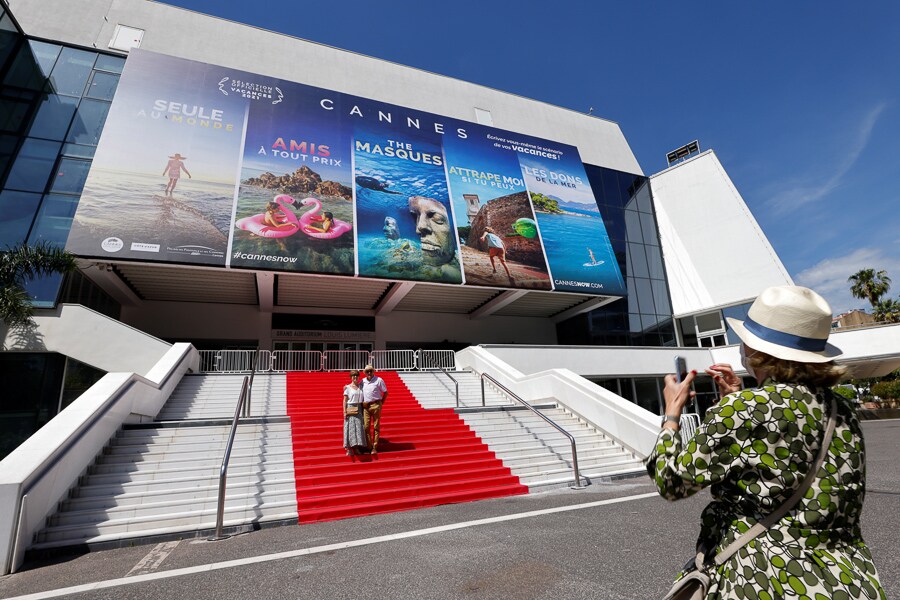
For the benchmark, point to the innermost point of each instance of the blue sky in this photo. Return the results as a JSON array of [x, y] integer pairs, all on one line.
[[800, 100]]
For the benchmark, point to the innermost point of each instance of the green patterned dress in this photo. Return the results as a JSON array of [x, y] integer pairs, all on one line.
[[754, 448]]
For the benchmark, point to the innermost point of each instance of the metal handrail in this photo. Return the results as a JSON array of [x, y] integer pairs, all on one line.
[[455, 383], [512, 395], [223, 470], [254, 364]]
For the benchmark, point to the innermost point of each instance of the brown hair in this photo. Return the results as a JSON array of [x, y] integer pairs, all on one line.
[[354, 372], [813, 375]]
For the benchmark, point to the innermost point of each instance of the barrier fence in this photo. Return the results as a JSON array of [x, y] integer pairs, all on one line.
[[241, 361]]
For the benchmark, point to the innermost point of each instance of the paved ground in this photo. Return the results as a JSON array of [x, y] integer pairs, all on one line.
[[608, 541]]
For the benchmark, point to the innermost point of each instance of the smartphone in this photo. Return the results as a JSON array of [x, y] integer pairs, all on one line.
[[680, 368]]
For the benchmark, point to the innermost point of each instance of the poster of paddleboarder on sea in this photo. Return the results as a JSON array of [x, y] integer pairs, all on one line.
[[577, 245], [161, 186]]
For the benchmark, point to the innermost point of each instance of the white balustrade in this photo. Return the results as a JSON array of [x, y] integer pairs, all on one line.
[[394, 360]]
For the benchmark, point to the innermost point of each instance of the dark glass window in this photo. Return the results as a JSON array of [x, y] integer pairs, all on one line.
[[644, 294], [71, 72], [17, 210], [53, 117], [88, 122], [32, 65], [33, 165], [70, 176], [647, 394], [655, 263], [54, 220], [7, 152], [633, 226], [648, 226], [9, 37], [102, 85], [637, 261], [13, 113], [643, 200], [661, 297], [32, 384]]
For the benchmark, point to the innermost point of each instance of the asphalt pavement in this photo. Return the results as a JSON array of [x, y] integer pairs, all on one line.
[[614, 540]]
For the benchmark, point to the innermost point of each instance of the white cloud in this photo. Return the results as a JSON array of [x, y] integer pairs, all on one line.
[[829, 277], [794, 195]]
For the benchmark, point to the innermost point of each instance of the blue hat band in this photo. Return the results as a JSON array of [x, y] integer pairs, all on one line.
[[781, 338]]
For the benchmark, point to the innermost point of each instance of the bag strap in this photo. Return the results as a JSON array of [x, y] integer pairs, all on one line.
[[776, 516]]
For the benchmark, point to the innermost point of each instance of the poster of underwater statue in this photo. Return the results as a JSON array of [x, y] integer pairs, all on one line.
[[578, 249], [294, 208], [403, 207], [499, 240], [161, 186]]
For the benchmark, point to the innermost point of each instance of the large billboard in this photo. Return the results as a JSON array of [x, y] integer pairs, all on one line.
[[203, 164]]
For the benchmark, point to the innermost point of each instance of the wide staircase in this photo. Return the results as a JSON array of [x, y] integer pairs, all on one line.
[[288, 464], [162, 478], [533, 449], [425, 457]]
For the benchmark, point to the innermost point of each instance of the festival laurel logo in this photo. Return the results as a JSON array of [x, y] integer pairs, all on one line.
[[251, 90]]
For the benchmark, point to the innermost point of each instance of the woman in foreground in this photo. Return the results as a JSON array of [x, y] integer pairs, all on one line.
[[755, 448]]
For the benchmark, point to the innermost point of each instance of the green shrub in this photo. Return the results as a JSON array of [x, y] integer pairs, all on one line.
[[846, 392], [887, 389]]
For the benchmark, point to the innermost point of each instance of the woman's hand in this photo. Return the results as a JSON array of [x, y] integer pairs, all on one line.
[[725, 379], [677, 395]]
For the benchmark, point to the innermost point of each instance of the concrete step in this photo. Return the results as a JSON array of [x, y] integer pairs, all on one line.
[[162, 507], [236, 514]]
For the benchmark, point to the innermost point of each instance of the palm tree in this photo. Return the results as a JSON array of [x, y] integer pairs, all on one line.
[[887, 311], [869, 285], [20, 263]]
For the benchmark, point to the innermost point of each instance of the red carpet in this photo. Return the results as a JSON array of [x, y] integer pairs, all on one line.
[[425, 457]]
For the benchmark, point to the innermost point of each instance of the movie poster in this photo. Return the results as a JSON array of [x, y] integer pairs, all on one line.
[[294, 208], [203, 164], [403, 205], [498, 235], [161, 186]]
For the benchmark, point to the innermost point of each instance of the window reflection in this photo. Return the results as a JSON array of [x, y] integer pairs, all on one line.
[[54, 220], [70, 176], [53, 117], [32, 65], [88, 122], [71, 72], [33, 166], [18, 210], [102, 85]]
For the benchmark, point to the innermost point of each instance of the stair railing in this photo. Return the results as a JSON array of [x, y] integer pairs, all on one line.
[[577, 485], [223, 470], [455, 383], [242, 409], [255, 363]]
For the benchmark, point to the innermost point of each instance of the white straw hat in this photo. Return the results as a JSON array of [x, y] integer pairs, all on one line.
[[788, 322]]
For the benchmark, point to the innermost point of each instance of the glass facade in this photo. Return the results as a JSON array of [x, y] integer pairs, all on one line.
[[53, 104], [644, 318]]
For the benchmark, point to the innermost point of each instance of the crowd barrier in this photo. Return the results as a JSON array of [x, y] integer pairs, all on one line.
[[279, 361]]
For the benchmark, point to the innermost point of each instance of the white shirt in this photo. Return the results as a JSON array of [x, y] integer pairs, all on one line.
[[374, 389], [354, 395]]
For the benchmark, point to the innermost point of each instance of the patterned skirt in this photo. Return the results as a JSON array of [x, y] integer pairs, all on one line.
[[354, 433]]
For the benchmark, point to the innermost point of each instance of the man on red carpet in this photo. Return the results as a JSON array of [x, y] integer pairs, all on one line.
[[374, 394]]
